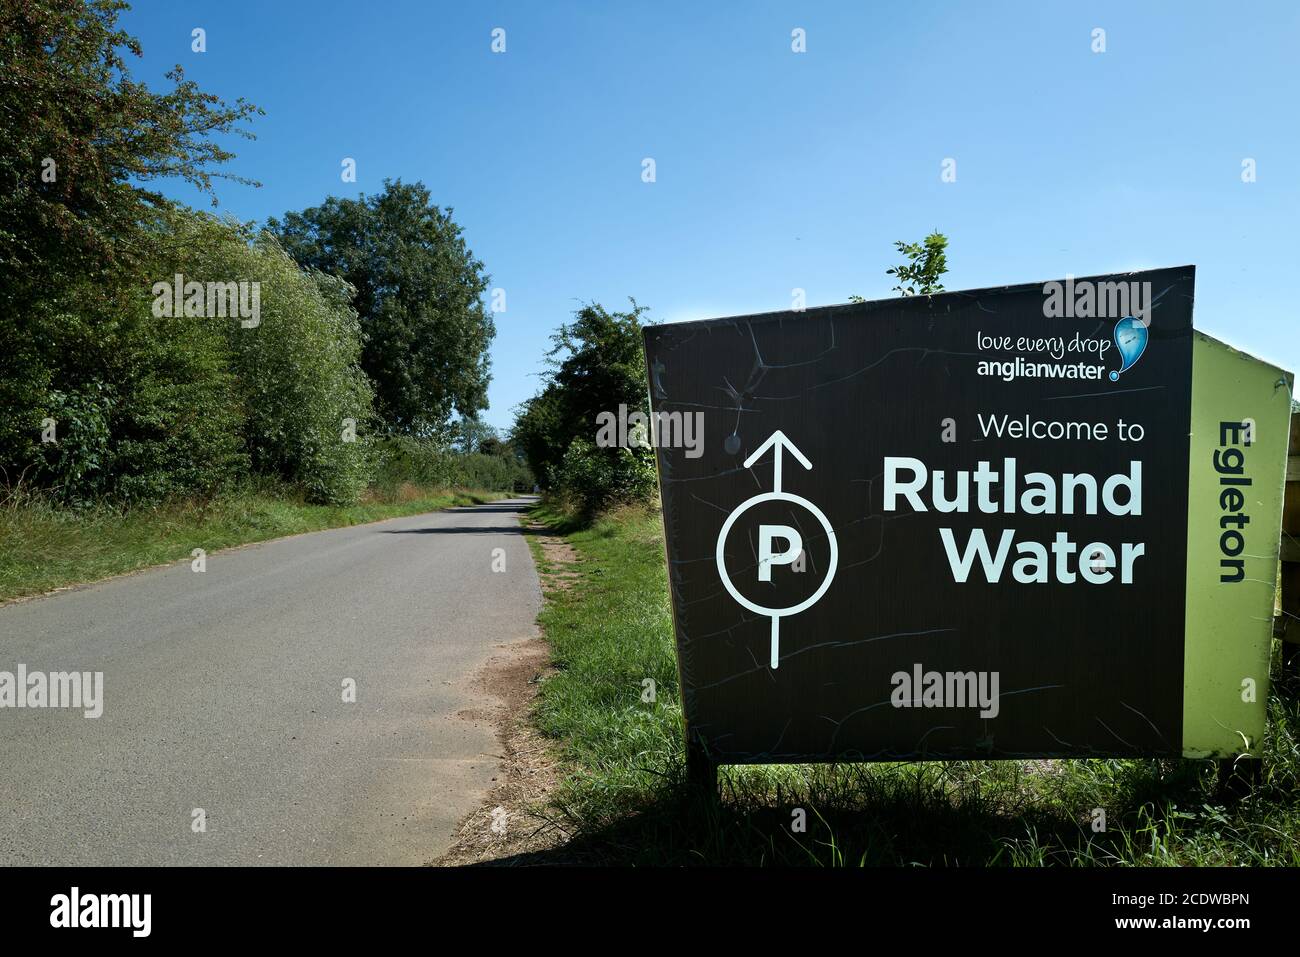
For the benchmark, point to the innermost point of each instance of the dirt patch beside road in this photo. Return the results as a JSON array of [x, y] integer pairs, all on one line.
[[512, 823], [557, 567], [509, 822]]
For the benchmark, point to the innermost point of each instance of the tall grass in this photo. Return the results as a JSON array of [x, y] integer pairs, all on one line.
[[626, 800], [44, 546]]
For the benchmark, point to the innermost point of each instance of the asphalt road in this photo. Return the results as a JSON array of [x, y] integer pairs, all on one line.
[[224, 691]]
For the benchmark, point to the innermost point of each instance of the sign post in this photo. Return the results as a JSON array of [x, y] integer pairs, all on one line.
[[1033, 521]]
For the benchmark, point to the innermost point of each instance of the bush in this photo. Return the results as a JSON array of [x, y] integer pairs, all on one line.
[[401, 459], [147, 407], [296, 375], [140, 410], [176, 427], [77, 461], [595, 478], [597, 364], [429, 463], [496, 473]]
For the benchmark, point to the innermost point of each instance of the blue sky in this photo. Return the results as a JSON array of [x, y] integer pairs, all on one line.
[[778, 170]]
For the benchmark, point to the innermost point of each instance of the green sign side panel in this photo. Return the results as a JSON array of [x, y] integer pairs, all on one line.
[[1229, 624]]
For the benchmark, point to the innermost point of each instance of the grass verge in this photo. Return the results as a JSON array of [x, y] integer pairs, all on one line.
[[43, 547], [624, 800]]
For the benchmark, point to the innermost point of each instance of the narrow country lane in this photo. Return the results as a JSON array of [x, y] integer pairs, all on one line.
[[224, 691]]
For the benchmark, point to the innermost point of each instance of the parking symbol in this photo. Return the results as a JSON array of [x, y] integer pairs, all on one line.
[[778, 544]]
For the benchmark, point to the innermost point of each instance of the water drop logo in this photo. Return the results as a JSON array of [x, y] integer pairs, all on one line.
[[1131, 340]]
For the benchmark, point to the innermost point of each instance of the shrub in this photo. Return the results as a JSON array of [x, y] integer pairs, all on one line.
[[296, 373], [77, 461], [422, 462], [149, 407], [429, 463], [498, 473], [596, 478], [141, 410]]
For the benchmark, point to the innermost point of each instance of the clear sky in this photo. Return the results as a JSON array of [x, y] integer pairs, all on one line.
[[776, 169]]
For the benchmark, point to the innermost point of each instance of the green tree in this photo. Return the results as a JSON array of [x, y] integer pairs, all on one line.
[[495, 445], [298, 376], [926, 262], [538, 433], [472, 434], [596, 364], [81, 137], [418, 294], [151, 406], [81, 142]]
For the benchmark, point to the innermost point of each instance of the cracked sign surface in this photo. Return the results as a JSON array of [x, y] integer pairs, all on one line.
[[1003, 562]]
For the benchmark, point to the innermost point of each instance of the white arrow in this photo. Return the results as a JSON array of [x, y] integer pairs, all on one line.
[[779, 440]]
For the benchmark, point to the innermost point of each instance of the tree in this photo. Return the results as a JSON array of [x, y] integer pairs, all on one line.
[[81, 142], [81, 137], [597, 363], [538, 433], [472, 434], [418, 295], [927, 261]]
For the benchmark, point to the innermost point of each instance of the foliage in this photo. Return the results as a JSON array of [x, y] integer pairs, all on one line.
[[927, 262], [140, 410], [418, 289], [539, 434], [597, 363], [81, 137], [298, 381], [107, 401], [471, 434], [495, 473], [150, 407], [430, 464], [596, 478]]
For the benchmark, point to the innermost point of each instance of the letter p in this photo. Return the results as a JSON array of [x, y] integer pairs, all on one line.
[[766, 559]]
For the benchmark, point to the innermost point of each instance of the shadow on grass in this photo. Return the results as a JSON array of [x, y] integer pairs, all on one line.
[[860, 815]]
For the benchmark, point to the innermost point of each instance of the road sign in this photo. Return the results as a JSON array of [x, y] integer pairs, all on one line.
[[1037, 520]]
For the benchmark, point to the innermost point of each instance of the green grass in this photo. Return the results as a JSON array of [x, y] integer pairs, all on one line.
[[43, 547], [625, 800]]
